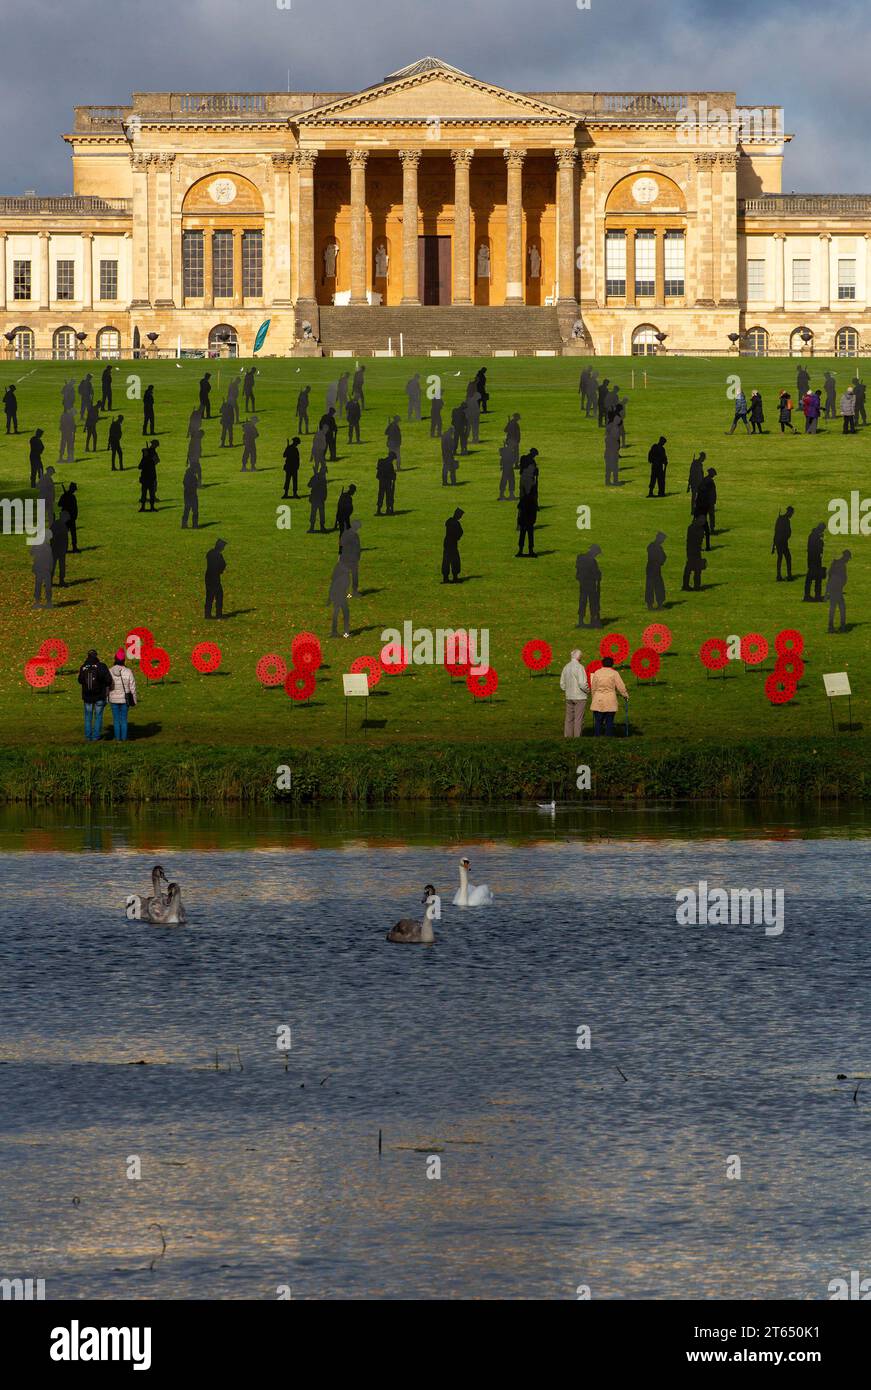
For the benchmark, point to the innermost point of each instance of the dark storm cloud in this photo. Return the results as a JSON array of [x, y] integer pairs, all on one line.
[[58, 55]]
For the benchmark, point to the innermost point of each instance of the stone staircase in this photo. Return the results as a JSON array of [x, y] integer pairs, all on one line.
[[471, 332]]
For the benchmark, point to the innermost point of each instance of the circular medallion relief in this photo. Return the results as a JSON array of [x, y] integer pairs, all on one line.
[[222, 191], [645, 190]]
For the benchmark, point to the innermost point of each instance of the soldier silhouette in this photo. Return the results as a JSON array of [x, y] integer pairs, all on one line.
[[483, 393], [527, 514], [658, 460], [451, 548], [449, 460], [302, 410], [358, 387], [317, 496], [654, 584], [205, 393], [830, 387], [780, 544], [37, 449], [589, 577], [695, 560], [385, 472], [190, 486], [42, 565], [215, 567], [349, 554], [412, 391], [250, 435], [393, 435], [106, 388], [612, 452], [233, 398], [460, 427], [352, 415], [227, 418], [835, 586], [148, 410], [68, 504], [291, 465], [248, 388], [512, 437], [86, 395], [113, 442], [91, 420], [148, 476], [694, 481], [815, 571], [706, 505], [59, 533], [337, 598], [506, 475], [342, 397], [435, 417], [327, 424], [344, 508], [601, 401]]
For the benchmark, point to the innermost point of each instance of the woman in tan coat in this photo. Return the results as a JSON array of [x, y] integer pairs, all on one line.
[[605, 685]]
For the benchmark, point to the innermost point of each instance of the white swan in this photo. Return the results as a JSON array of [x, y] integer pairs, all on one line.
[[467, 895], [410, 931]]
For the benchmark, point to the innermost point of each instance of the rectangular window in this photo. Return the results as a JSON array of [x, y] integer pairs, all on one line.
[[755, 279], [645, 265], [674, 263], [21, 280], [108, 279], [222, 265], [847, 279], [801, 279], [192, 264], [65, 279], [252, 265], [615, 264]]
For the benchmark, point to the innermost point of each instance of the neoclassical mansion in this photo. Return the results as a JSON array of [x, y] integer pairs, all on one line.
[[438, 207]]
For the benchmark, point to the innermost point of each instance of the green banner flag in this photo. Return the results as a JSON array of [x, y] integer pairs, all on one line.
[[261, 335]]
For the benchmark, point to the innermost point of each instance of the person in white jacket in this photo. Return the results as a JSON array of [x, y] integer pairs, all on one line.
[[573, 682], [123, 684]]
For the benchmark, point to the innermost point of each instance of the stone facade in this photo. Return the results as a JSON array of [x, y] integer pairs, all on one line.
[[196, 216]]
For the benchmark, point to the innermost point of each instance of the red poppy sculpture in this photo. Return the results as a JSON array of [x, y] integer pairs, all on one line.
[[780, 688], [394, 660], [371, 665], [657, 636], [645, 664], [55, 649], [145, 637], [714, 654], [537, 655], [483, 684], [305, 651], [155, 663], [790, 667], [616, 645], [300, 685], [206, 657], [789, 642], [39, 672], [593, 666], [271, 669], [754, 649]]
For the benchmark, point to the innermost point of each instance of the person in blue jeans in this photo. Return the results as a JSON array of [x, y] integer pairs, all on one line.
[[95, 681], [123, 684]]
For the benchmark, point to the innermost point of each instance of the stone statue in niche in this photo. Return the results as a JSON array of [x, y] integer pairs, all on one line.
[[382, 261], [331, 256], [534, 262], [483, 261]]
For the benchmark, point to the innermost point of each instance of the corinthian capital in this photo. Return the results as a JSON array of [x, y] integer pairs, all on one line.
[[514, 157], [410, 157], [462, 158], [566, 158], [357, 158], [589, 159], [283, 159], [307, 160]]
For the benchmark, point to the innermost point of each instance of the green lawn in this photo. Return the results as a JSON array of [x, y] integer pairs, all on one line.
[[144, 570]]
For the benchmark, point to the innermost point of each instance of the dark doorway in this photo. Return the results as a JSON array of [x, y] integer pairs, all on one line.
[[434, 269]]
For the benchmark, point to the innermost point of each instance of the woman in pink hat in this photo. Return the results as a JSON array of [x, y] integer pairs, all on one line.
[[122, 693]]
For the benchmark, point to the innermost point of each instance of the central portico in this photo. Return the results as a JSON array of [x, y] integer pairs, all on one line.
[[434, 188]]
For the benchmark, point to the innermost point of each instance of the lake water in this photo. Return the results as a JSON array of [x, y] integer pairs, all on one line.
[[559, 1166]]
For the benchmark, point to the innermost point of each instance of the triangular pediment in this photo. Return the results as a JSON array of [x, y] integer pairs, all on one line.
[[430, 89]]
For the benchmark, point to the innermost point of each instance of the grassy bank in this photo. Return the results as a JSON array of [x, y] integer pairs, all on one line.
[[760, 769]]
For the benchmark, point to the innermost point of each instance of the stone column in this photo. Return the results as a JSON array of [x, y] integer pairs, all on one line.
[[825, 270], [568, 238], [514, 228], [44, 272], [590, 251], [410, 160], [162, 230], [462, 226], [779, 248], [306, 251], [278, 252], [2, 270], [87, 270], [630, 267], [357, 160], [728, 256], [141, 295], [704, 228], [237, 267]]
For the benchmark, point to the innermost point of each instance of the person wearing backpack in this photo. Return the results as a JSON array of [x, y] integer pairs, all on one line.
[[95, 681], [122, 693]]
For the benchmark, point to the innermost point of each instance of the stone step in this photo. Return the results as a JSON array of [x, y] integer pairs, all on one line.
[[472, 331]]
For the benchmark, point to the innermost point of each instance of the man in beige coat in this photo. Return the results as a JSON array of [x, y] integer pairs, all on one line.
[[606, 684], [573, 681]]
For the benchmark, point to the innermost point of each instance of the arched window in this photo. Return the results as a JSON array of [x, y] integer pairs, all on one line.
[[108, 343], [223, 341], [645, 239], [798, 345], [644, 342], [846, 343], [63, 344], [222, 240], [755, 343], [23, 344]]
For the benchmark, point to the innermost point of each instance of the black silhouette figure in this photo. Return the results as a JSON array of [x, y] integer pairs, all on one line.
[[584, 386], [10, 406], [318, 451], [506, 473], [385, 472], [592, 392], [106, 389], [68, 504], [291, 466], [412, 391], [344, 508], [527, 514], [830, 388], [59, 547], [529, 471], [451, 548], [695, 560], [612, 451], [352, 415], [780, 544], [601, 401], [512, 437], [658, 460], [694, 480], [449, 459], [195, 449], [148, 475], [436, 406], [473, 412], [654, 584], [483, 393], [67, 436], [190, 487], [317, 496], [393, 435], [332, 395], [195, 419], [113, 442], [205, 395], [91, 421], [706, 505], [337, 598], [45, 492], [837, 583], [86, 394], [589, 578], [342, 397], [802, 382], [37, 448], [250, 435], [358, 387], [815, 571], [858, 396], [227, 418], [68, 394], [349, 554], [233, 396], [327, 423], [215, 567], [248, 388], [148, 410], [42, 565]]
